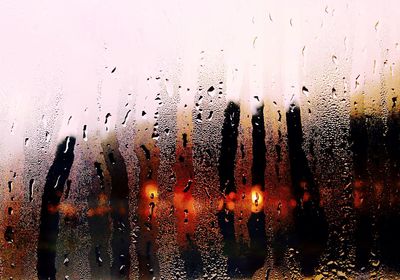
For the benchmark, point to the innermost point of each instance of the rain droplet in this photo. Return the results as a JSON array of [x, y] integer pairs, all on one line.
[[198, 118], [108, 115], [66, 144], [85, 133], [9, 234], [188, 185], [66, 260], [376, 25], [47, 136], [334, 59], [210, 91], [126, 118], [31, 185], [209, 118]]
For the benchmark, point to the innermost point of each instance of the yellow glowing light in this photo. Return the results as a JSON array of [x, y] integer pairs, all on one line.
[[151, 191], [256, 199]]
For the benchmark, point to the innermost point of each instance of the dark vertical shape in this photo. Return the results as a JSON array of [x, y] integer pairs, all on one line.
[[363, 237], [184, 139], [9, 234], [226, 169], [119, 209], [99, 227], [99, 172], [31, 182], [279, 246], [258, 242], [192, 258], [311, 228], [49, 215], [259, 148], [359, 147], [256, 222], [389, 214], [226, 224]]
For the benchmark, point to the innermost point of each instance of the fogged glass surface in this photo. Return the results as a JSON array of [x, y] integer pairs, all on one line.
[[199, 140]]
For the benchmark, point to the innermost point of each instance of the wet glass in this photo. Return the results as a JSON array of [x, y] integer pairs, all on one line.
[[199, 140]]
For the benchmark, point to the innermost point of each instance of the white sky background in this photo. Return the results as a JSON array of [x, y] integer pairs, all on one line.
[[68, 49]]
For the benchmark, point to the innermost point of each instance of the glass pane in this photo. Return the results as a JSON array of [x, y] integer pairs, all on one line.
[[199, 140]]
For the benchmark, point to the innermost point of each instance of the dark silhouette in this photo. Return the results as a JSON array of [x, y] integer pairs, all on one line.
[[256, 223], [49, 215], [119, 208], [363, 234], [310, 226], [226, 169], [388, 219], [243, 260]]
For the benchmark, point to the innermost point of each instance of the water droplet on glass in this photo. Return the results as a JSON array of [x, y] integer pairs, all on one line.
[[305, 91]]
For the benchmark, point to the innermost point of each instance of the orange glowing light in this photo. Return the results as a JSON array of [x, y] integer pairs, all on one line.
[[150, 191], [230, 205], [149, 201], [227, 202], [100, 210], [306, 196], [358, 184], [184, 203], [66, 209], [358, 198], [256, 199], [220, 204]]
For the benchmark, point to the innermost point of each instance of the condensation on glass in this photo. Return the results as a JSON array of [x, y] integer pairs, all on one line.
[[200, 140]]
